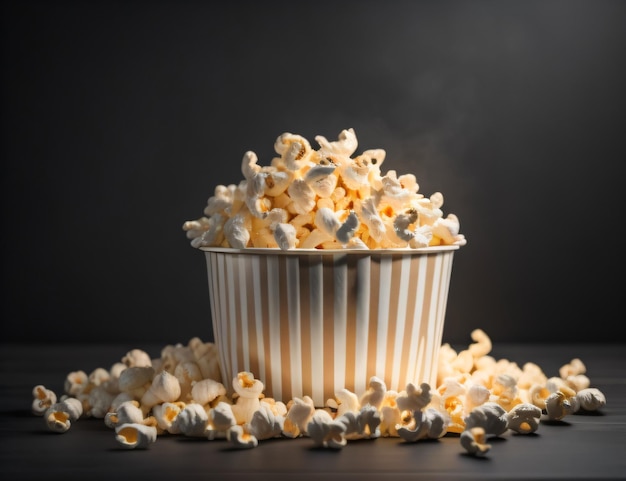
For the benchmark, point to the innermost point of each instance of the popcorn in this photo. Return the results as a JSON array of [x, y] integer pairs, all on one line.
[[43, 398], [473, 441], [355, 204], [325, 432], [361, 424], [524, 418], [221, 419], [265, 423], [561, 403], [345, 401], [165, 415], [98, 402], [137, 357], [187, 373], [75, 382], [192, 420], [375, 394], [300, 412], [206, 391], [241, 439], [135, 380], [478, 397], [60, 416], [414, 399], [127, 412], [249, 391], [135, 436], [164, 388], [390, 415], [590, 399], [426, 424], [490, 416]]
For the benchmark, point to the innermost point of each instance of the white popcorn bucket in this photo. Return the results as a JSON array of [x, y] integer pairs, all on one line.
[[312, 322]]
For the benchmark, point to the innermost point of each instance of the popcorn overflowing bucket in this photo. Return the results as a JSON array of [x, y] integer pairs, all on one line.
[[312, 322]]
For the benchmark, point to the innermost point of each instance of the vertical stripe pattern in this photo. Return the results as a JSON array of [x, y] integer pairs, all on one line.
[[311, 324]]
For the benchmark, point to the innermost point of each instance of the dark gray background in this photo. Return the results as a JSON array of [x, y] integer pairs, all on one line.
[[120, 118]]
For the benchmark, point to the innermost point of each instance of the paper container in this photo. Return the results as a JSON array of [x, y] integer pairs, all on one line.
[[312, 322]]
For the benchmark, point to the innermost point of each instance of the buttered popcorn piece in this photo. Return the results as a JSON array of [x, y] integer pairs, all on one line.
[[299, 413], [239, 438], [362, 207], [127, 412], [561, 403], [325, 432], [192, 420], [490, 416], [265, 423], [424, 424], [524, 418], [165, 387], [60, 416], [43, 398], [591, 399], [221, 419], [135, 436], [165, 415], [249, 390], [474, 442]]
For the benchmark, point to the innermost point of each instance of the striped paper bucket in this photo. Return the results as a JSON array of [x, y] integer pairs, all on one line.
[[312, 322]]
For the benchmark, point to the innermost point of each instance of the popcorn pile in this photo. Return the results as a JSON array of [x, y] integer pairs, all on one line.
[[322, 199], [182, 393]]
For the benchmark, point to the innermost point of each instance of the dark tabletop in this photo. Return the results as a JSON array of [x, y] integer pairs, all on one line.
[[581, 446]]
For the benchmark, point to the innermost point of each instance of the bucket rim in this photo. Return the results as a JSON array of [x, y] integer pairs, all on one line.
[[308, 252]]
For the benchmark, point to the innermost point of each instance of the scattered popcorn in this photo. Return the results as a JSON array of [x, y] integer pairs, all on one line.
[[345, 401], [476, 396], [577, 382], [490, 416], [221, 419], [75, 382], [590, 399], [164, 388], [325, 432], [391, 417], [375, 393], [265, 423], [473, 441], [165, 415], [249, 391], [135, 380], [99, 401], [355, 205], [573, 368], [137, 357], [300, 411], [127, 412], [537, 395], [414, 399], [523, 418], [362, 424], [60, 416], [43, 398], [187, 373], [561, 403], [426, 424], [135, 436], [241, 439], [192, 420], [206, 391]]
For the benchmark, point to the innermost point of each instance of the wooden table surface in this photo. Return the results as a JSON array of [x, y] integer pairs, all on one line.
[[581, 446]]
